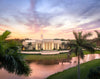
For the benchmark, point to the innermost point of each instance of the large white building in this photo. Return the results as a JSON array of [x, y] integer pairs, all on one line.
[[45, 44]]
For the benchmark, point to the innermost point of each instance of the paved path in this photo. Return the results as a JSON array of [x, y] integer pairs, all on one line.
[[45, 52]]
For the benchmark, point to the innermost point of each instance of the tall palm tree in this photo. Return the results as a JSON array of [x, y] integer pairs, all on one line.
[[10, 56], [78, 45]]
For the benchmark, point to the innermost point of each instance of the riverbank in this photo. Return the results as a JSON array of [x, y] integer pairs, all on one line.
[[41, 71], [57, 57], [72, 72]]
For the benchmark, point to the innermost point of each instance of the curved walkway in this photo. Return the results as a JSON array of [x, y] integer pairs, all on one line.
[[45, 52]]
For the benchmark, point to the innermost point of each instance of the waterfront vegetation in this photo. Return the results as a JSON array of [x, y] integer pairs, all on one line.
[[71, 72], [31, 57], [10, 57], [78, 45], [14, 62]]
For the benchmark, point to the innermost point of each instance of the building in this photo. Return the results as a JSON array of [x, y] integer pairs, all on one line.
[[45, 44]]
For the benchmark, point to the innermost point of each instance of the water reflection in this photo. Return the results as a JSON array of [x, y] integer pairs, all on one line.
[[40, 71], [48, 62]]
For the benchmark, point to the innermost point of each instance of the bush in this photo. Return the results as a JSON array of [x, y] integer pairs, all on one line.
[[34, 49], [54, 49], [94, 73], [41, 48]]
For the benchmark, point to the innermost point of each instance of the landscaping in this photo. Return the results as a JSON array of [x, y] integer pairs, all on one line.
[[72, 72], [31, 57]]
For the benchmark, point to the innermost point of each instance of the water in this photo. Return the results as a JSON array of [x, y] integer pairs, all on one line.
[[40, 71]]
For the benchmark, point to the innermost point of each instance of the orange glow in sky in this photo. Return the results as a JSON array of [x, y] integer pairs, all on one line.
[[27, 18]]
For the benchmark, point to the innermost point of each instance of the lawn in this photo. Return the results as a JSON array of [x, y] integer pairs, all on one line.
[[72, 72], [30, 57], [45, 57]]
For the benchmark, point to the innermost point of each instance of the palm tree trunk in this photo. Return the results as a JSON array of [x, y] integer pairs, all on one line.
[[78, 67]]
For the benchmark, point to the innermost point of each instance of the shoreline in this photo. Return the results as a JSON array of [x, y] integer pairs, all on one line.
[[71, 73], [57, 57]]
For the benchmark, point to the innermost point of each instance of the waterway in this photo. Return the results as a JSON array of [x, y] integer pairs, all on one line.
[[42, 71]]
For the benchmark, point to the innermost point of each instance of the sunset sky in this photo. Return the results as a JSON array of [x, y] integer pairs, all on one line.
[[52, 18]]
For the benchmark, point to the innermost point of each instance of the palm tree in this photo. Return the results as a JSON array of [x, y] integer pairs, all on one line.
[[78, 45], [98, 37], [10, 56]]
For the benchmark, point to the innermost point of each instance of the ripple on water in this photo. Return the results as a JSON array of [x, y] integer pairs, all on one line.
[[40, 71]]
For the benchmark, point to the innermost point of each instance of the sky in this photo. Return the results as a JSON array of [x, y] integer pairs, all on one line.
[[51, 18]]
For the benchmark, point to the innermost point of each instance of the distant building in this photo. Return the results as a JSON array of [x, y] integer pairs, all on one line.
[[44, 44]]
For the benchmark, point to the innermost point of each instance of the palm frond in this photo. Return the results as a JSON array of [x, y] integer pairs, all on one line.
[[10, 58], [98, 33], [81, 53], [76, 35], [14, 64], [76, 51], [71, 44], [85, 36], [71, 51], [80, 35], [5, 35], [88, 47]]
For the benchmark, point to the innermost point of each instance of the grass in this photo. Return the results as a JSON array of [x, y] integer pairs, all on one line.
[[30, 57], [72, 72], [45, 57]]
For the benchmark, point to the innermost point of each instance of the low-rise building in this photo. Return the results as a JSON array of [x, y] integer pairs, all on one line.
[[45, 44]]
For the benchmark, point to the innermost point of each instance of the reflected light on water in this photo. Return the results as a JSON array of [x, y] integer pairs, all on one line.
[[40, 71]]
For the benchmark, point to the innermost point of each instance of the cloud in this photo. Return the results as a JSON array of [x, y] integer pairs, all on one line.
[[91, 25], [56, 17], [91, 10]]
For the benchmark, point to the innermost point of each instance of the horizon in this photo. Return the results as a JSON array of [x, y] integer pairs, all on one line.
[[55, 19]]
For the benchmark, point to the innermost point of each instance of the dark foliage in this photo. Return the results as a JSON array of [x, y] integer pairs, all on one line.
[[94, 73], [10, 57]]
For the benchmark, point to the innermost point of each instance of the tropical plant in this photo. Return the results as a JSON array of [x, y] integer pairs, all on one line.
[[94, 73], [98, 34], [78, 45], [98, 37], [10, 56]]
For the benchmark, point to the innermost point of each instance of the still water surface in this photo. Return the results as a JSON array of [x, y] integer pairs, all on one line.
[[40, 71]]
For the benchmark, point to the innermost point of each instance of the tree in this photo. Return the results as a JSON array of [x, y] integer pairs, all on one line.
[[10, 56], [98, 37], [64, 45], [78, 45]]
